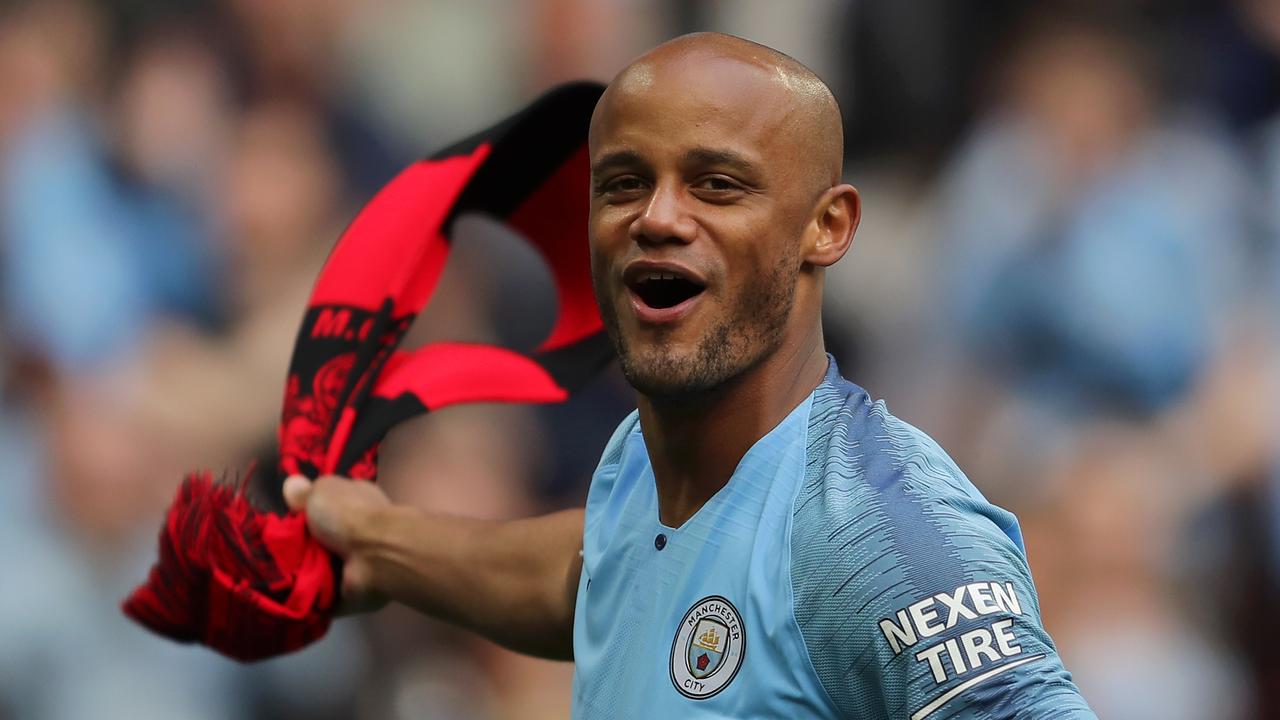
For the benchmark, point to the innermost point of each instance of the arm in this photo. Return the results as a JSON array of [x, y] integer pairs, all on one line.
[[515, 582]]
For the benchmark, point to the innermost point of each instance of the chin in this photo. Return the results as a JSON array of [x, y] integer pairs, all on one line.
[[665, 378], [701, 353], [673, 370]]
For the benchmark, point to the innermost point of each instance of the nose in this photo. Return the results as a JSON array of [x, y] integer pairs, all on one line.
[[665, 218]]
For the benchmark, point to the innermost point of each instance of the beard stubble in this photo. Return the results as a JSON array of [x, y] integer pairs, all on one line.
[[734, 344]]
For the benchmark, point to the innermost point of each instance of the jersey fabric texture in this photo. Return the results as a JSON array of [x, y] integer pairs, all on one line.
[[848, 569]]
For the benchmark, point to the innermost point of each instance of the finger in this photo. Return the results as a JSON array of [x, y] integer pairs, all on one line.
[[296, 491], [358, 595]]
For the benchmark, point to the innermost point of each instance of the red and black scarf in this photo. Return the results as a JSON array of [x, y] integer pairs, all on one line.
[[252, 584]]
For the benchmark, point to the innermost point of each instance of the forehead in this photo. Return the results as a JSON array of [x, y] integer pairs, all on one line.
[[695, 100]]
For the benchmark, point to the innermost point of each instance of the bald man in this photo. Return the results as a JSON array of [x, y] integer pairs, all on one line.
[[760, 539]]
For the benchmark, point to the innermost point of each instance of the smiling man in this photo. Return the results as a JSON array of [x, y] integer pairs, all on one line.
[[761, 539]]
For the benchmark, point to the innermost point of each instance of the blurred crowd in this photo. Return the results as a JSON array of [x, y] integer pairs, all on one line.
[[1068, 273]]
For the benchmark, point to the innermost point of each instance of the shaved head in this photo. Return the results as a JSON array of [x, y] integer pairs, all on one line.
[[717, 201], [810, 115]]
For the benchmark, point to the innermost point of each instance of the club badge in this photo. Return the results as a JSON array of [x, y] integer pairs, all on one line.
[[708, 648]]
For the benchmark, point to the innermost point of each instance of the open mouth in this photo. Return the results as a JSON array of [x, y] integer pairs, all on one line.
[[662, 290]]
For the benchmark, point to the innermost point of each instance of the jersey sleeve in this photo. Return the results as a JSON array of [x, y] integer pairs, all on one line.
[[914, 596]]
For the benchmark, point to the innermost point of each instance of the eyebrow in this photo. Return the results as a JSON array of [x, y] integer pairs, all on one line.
[[617, 159], [723, 158], [720, 157]]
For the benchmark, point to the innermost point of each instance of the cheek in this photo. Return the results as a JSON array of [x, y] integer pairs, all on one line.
[[751, 262], [608, 237], [603, 256], [607, 230], [610, 222], [599, 267]]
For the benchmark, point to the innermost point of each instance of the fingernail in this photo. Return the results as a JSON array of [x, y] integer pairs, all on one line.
[[294, 487]]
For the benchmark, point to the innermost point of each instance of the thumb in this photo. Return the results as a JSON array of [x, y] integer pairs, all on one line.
[[297, 489]]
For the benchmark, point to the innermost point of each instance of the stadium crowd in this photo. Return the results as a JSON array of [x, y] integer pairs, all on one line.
[[1068, 273]]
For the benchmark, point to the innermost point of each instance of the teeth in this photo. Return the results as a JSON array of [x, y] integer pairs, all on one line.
[[660, 276]]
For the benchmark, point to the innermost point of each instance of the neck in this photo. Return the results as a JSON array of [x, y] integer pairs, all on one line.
[[696, 443]]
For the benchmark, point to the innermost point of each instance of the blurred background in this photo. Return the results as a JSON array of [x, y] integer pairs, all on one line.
[[1067, 273]]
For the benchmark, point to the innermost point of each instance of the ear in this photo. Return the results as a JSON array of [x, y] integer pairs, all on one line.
[[836, 217]]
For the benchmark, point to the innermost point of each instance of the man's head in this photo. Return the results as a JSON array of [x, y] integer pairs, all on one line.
[[716, 202]]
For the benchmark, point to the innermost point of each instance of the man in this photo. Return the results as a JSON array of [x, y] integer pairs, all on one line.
[[760, 538]]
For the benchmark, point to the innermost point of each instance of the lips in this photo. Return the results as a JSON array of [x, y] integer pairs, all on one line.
[[662, 292]]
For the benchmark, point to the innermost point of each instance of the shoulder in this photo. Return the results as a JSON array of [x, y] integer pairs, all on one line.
[[868, 471], [619, 451], [896, 558], [884, 514], [613, 450]]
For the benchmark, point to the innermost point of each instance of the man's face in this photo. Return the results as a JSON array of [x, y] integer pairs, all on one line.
[[698, 203]]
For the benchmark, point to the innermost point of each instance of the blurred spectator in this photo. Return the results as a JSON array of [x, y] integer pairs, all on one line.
[[914, 71], [1107, 599], [1092, 241], [1228, 55], [1231, 546], [1231, 542], [477, 461], [81, 287], [280, 202]]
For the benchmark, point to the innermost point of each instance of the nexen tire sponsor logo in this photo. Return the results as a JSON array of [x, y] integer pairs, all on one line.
[[938, 613]]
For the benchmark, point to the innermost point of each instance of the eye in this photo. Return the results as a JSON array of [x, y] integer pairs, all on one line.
[[626, 183], [622, 185], [718, 189], [718, 183]]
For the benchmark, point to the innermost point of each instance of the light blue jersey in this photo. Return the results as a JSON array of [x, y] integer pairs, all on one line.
[[847, 570]]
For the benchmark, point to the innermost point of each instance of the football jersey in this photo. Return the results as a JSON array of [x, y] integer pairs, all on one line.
[[848, 569]]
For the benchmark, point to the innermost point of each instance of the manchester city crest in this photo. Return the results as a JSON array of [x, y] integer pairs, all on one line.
[[708, 648]]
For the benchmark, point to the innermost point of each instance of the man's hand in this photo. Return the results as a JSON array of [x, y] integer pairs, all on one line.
[[514, 581], [342, 514]]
